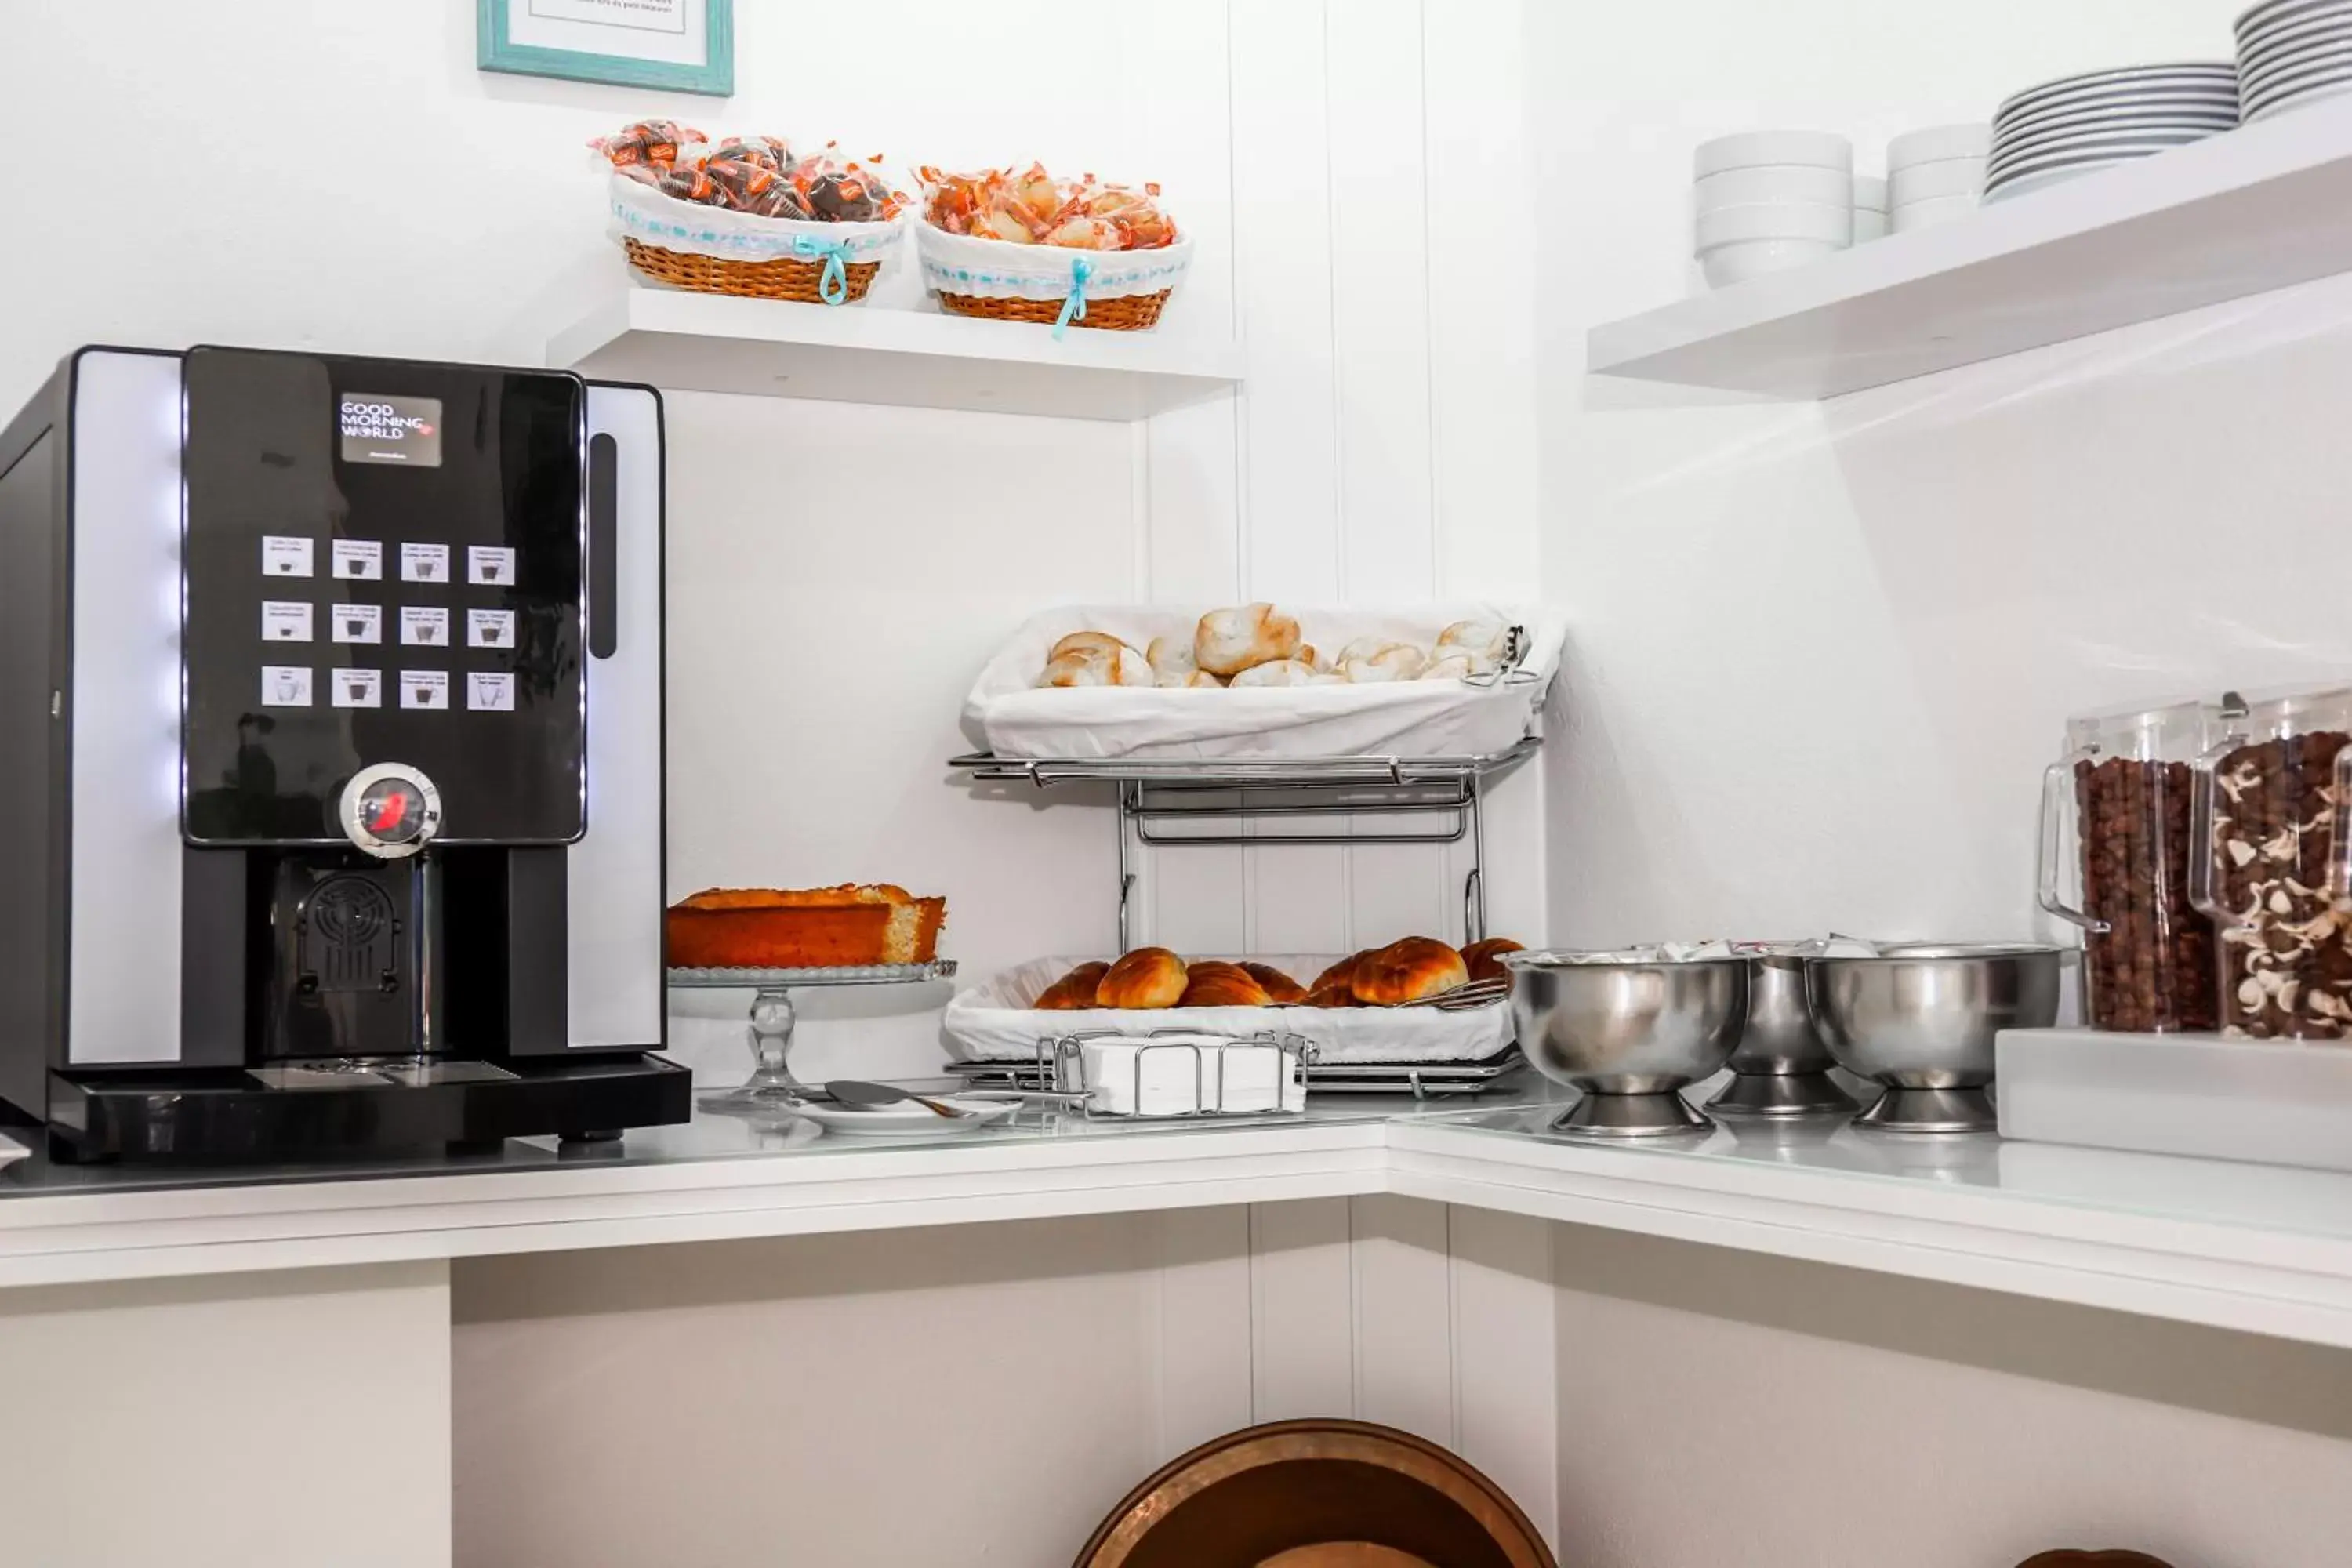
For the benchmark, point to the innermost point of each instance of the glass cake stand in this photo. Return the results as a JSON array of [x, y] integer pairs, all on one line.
[[771, 1086]]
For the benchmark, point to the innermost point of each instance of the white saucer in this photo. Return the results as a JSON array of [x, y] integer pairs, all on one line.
[[900, 1121]]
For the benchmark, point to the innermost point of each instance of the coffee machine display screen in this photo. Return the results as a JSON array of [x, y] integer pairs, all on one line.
[[377, 427], [384, 562]]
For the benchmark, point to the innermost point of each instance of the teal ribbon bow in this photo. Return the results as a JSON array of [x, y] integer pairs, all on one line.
[[1074, 309], [833, 284]]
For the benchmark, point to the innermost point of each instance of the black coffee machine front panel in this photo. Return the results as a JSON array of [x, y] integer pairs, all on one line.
[[383, 564]]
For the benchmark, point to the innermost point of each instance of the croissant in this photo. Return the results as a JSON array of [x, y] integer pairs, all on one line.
[[1148, 977], [1227, 642], [1072, 991], [1410, 971]]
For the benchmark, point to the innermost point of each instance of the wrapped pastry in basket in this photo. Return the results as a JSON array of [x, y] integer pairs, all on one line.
[[1021, 244]]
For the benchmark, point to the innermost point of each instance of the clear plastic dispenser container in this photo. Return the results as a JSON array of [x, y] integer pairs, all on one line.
[[2270, 864], [2117, 840]]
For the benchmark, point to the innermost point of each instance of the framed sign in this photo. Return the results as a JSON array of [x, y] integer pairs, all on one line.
[[687, 46]]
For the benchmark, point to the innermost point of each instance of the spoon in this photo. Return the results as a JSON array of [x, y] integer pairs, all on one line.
[[858, 1095]]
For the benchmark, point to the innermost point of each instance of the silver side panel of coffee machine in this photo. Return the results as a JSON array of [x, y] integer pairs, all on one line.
[[614, 878], [121, 708]]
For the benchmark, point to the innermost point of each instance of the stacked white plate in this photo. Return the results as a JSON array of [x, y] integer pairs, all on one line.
[[2294, 52], [1770, 200], [2078, 125], [1869, 208], [1935, 174]]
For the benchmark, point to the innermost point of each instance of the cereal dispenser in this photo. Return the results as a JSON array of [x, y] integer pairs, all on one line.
[[2147, 952], [2269, 864]]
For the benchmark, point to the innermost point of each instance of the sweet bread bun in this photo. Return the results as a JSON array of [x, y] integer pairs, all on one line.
[[1389, 662], [1227, 642], [1342, 973], [1073, 990], [1171, 656], [1482, 960], [1283, 672], [1094, 667], [1280, 988], [1333, 994], [1148, 977], [1083, 642], [1410, 971], [1221, 986]]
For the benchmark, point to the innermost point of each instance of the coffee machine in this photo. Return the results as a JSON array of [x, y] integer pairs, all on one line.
[[330, 756]]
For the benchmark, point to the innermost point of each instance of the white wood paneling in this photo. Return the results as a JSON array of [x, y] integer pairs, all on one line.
[[1505, 1356], [1205, 1343], [1302, 1310], [1405, 1342]]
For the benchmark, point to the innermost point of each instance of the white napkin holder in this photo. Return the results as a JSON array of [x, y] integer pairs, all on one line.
[[1182, 1073]]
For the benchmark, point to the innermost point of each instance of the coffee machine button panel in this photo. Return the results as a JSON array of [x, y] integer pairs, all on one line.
[[282, 556], [359, 560], [358, 622], [286, 685], [489, 628], [424, 625], [423, 562], [490, 693], [424, 689], [285, 621], [489, 565]]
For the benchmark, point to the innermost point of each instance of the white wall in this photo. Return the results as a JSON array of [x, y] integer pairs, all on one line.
[[1824, 652]]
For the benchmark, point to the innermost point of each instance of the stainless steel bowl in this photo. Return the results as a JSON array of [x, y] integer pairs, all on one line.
[[1920, 1019], [1781, 1065], [1630, 1035]]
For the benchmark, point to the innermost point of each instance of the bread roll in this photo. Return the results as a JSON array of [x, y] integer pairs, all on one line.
[[1190, 678], [1083, 642], [1227, 642], [1283, 672], [1389, 661], [1334, 993], [1093, 666], [1342, 973], [1073, 992], [1280, 988], [1171, 656], [1482, 960], [1221, 986], [1452, 667], [1483, 642], [1148, 977], [1410, 971]]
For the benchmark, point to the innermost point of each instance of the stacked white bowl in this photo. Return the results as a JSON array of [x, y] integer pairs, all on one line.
[[2293, 52], [2079, 125], [1869, 208], [1771, 200], [1935, 174]]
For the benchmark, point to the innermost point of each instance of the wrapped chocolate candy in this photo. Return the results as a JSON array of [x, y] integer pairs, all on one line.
[[659, 142]]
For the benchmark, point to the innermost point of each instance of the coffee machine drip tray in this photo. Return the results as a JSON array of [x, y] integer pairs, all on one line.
[[369, 1072], [379, 1105]]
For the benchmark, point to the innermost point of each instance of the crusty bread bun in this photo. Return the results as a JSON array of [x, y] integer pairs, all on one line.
[[1389, 662], [1086, 642], [1408, 971], [1227, 642], [1221, 986], [1171, 656], [1282, 673], [1095, 666], [1148, 977], [1073, 992], [1482, 960], [1483, 642], [1342, 973], [1451, 666], [1280, 988], [1333, 994], [1191, 677]]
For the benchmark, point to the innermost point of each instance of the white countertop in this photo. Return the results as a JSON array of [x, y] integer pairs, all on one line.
[[2266, 1249]]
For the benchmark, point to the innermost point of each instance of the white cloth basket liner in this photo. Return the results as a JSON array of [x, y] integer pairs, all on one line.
[[1008, 715], [998, 270], [993, 1021], [641, 213]]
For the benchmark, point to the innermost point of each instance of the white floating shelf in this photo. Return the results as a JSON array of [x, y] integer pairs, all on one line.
[[2262, 207], [708, 342]]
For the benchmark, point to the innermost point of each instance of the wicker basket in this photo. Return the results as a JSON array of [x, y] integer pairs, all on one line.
[[789, 277], [1127, 313]]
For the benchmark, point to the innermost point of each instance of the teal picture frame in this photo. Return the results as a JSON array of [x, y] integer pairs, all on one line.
[[716, 76]]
